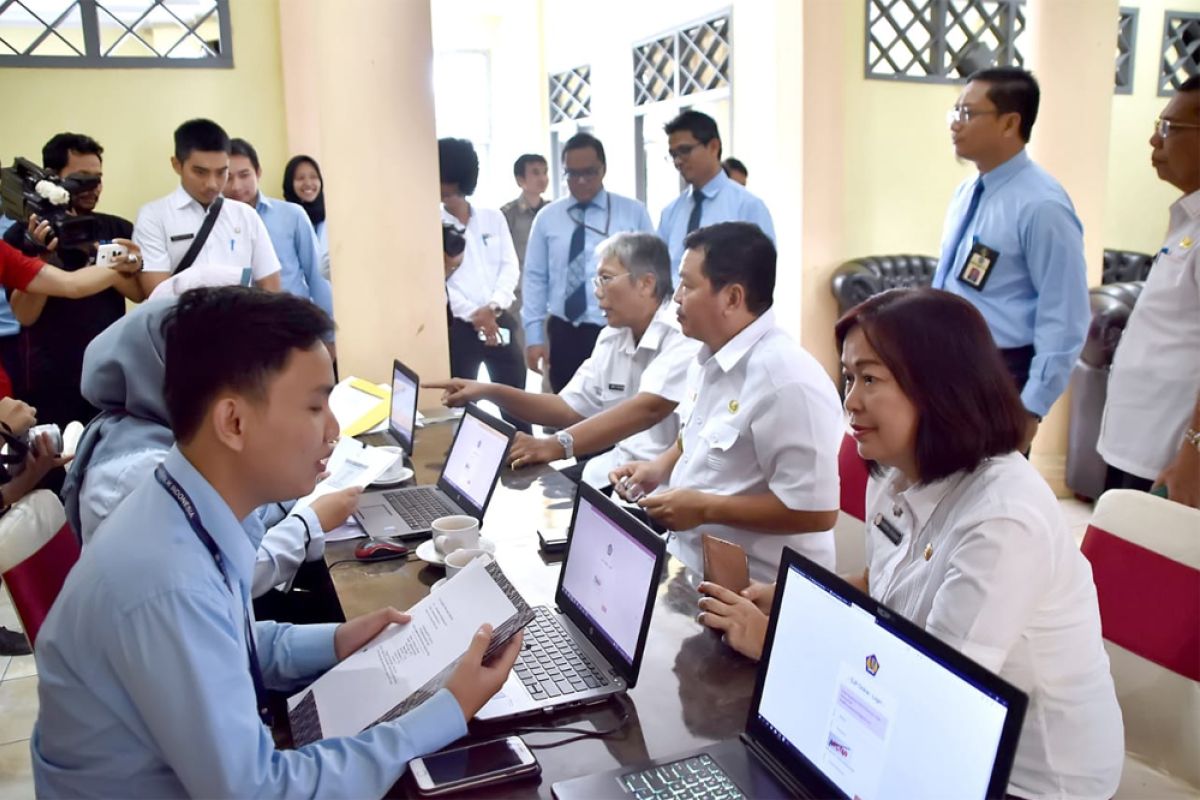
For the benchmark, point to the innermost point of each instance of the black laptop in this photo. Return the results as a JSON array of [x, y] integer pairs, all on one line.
[[851, 701], [402, 412]]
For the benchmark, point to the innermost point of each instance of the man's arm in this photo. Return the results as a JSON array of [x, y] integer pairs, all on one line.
[[308, 253], [510, 272], [150, 236], [1182, 475], [264, 264], [537, 408], [684, 509], [758, 213], [26, 306], [535, 284], [83, 282], [626, 418]]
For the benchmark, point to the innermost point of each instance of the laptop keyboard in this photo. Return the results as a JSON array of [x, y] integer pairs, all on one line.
[[696, 777], [419, 507], [551, 664]]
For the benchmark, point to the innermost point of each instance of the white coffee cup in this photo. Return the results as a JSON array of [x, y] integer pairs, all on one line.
[[457, 561], [455, 533]]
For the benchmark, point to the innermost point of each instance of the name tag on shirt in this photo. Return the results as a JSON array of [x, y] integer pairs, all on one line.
[[182, 237], [888, 529], [616, 387], [978, 267]]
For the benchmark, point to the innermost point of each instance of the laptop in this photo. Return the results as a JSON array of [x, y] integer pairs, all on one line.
[[590, 646], [402, 414], [851, 701], [465, 486]]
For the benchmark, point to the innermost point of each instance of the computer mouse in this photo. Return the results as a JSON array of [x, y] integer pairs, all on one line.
[[379, 550]]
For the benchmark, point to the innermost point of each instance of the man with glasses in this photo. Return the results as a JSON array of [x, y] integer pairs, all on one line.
[[560, 314], [1150, 435], [1012, 244], [694, 147]]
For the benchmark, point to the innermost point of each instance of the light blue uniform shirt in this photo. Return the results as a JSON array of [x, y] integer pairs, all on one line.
[[143, 685], [544, 280], [725, 200], [1036, 292], [298, 249]]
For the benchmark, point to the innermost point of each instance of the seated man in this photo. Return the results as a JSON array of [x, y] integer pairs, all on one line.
[[756, 462], [151, 669], [626, 392]]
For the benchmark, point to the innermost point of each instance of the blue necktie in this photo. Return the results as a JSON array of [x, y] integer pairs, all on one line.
[[694, 219], [575, 305], [947, 263]]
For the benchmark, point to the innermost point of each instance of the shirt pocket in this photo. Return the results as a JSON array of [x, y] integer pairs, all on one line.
[[719, 437]]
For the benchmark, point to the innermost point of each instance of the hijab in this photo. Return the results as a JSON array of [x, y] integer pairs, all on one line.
[[315, 209]]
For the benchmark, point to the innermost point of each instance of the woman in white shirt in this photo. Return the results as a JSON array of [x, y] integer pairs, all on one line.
[[964, 537]]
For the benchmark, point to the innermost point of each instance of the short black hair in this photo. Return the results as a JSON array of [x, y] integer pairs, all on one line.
[[582, 140], [57, 152], [700, 125], [1012, 90], [199, 134], [731, 164], [522, 163], [231, 337], [738, 252], [458, 164], [941, 352], [1192, 84], [240, 147]]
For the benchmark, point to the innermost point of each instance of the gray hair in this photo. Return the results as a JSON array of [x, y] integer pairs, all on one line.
[[641, 254]]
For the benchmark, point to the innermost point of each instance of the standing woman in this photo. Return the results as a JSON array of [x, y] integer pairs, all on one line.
[[303, 185]]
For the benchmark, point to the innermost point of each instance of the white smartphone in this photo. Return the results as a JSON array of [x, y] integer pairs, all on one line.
[[473, 765], [107, 255]]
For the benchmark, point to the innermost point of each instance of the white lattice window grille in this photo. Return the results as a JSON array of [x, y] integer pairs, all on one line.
[[689, 60], [1180, 50], [115, 33], [654, 69], [941, 40], [1126, 45], [571, 95]]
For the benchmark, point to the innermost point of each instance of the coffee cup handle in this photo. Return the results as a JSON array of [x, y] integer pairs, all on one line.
[[440, 543]]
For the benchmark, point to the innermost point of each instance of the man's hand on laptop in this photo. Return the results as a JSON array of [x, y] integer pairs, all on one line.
[[742, 624], [352, 636], [332, 509], [473, 683], [457, 392], [528, 450]]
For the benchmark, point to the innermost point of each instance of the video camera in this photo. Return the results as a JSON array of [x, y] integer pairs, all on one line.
[[26, 189], [453, 241]]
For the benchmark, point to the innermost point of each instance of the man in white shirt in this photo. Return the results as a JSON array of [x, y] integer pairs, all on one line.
[[624, 396], [1150, 434], [756, 461], [238, 247]]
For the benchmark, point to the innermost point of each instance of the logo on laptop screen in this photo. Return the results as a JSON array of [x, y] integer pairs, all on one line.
[[872, 665]]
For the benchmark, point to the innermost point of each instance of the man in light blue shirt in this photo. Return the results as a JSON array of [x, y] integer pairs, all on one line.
[[559, 312], [151, 668], [1012, 244], [694, 145]]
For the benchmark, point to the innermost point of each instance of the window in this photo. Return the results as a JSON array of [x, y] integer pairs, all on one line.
[[1180, 50], [941, 41], [1126, 43], [115, 33]]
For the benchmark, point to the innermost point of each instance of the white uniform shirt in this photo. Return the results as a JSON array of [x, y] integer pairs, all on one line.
[[489, 271], [760, 415], [986, 564], [619, 369], [1155, 377], [166, 227]]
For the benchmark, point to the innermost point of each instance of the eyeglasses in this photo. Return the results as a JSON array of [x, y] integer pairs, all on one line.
[[964, 114], [601, 282], [1163, 127], [681, 152], [581, 174]]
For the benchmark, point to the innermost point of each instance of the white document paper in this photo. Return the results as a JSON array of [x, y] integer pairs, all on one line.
[[349, 404], [351, 464], [350, 529]]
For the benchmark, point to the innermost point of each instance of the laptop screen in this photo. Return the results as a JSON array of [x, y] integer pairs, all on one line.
[[877, 717], [607, 576], [475, 459], [404, 407]]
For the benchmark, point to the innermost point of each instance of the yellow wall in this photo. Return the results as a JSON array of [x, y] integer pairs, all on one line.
[[133, 112]]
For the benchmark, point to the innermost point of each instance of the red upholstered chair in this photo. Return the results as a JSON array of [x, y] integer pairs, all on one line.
[[849, 537], [37, 550], [1145, 556]]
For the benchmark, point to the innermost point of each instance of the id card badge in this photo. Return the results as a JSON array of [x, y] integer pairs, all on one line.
[[978, 266]]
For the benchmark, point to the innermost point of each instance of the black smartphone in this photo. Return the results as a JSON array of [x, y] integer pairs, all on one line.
[[554, 541]]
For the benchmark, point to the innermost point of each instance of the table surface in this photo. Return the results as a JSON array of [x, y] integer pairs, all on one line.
[[692, 689]]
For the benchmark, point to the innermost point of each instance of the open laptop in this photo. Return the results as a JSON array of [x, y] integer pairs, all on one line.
[[851, 701], [473, 465], [402, 413], [590, 646]]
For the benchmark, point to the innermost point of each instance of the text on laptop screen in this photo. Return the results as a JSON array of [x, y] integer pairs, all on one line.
[[404, 404], [607, 576], [475, 459], [876, 716]]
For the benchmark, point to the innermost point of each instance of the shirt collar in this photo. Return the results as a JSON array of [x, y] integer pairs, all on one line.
[[262, 203], [1004, 173], [714, 185], [600, 201], [922, 499], [664, 319], [728, 356], [180, 199], [523, 206]]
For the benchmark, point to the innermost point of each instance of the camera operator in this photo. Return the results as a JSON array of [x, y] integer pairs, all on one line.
[[56, 330]]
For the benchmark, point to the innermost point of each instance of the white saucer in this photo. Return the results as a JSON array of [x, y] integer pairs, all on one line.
[[427, 551], [393, 477]]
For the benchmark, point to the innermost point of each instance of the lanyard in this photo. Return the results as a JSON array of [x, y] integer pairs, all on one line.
[[583, 216], [188, 508]]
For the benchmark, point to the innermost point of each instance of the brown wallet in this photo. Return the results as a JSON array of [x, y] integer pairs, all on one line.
[[725, 563]]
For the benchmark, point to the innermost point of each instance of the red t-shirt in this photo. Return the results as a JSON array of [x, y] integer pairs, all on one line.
[[16, 268]]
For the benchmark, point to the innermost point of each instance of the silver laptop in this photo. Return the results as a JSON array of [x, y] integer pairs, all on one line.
[[402, 413], [465, 486], [590, 646]]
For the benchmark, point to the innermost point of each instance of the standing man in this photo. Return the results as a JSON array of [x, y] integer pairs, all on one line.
[[168, 229], [533, 177], [1012, 244], [711, 196], [1150, 435], [560, 313]]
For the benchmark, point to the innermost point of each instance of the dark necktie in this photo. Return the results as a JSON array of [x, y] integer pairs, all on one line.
[[948, 256], [697, 202], [575, 306]]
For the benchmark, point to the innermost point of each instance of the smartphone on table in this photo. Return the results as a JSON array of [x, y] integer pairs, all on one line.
[[473, 765]]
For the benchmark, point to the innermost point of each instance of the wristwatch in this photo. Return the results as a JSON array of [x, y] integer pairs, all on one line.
[[568, 443], [1192, 437]]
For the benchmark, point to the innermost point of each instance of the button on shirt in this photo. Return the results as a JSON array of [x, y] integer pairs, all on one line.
[[143, 685], [620, 369], [489, 271], [760, 415], [1155, 378], [296, 246], [544, 288], [165, 229], [725, 200], [1005, 584], [1036, 293]]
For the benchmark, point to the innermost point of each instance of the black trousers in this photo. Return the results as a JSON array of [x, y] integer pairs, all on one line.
[[570, 346], [1018, 359], [505, 363], [1120, 479], [313, 598]]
